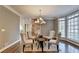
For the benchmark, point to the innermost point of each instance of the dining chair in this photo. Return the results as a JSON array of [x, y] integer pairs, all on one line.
[[34, 38], [52, 34], [25, 41], [55, 41]]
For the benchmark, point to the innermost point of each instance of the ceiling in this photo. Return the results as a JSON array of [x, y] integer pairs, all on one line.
[[48, 11]]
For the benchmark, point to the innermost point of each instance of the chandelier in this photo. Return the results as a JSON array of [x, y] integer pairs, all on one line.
[[40, 19]]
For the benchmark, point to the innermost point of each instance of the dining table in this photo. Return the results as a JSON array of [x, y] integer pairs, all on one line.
[[41, 40]]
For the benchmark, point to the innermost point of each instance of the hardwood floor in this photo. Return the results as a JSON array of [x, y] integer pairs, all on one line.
[[12, 49], [64, 47], [45, 49]]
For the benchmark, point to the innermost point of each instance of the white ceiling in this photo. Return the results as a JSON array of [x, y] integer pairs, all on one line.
[[47, 10]]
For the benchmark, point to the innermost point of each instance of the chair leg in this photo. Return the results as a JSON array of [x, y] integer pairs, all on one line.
[[23, 48], [37, 46], [58, 48], [49, 44], [32, 46]]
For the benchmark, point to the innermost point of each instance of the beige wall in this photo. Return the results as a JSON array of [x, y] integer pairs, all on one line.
[[46, 28], [55, 25], [51, 24], [10, 22]]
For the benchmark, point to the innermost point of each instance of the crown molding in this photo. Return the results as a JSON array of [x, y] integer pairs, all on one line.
[[11, 9]]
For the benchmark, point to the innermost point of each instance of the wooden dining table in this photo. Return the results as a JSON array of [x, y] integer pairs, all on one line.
[[40, 40], [43, 39]]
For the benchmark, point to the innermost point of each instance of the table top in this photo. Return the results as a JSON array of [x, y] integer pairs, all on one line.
[[44, 38]]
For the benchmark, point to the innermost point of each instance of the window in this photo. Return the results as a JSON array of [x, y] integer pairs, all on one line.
[[61, 26], [73, 28]]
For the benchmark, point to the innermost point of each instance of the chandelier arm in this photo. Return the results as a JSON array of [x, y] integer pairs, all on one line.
[[40, 20]]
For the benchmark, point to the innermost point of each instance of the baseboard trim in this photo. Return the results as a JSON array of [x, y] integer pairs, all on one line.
[[70, 41], [6, 47]]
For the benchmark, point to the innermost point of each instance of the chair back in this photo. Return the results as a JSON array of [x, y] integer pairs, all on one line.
[[52, 34], [23, 37], [28, 35]]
